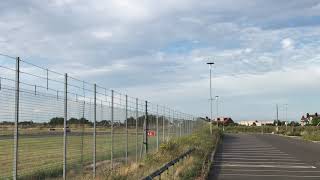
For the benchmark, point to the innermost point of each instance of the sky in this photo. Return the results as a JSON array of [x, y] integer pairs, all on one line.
[[265, 52]]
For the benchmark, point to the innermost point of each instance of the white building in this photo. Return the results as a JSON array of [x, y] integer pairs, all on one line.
[[255, 123]]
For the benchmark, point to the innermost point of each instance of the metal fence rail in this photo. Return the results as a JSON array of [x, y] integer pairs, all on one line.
[[55, 125], [168, 165]]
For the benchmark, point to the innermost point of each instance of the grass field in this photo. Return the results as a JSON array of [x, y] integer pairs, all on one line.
[[42, 155]]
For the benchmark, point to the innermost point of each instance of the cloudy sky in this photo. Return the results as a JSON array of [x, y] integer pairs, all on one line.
[[266, 52]]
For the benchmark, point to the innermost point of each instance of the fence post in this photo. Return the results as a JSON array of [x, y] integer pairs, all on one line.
[[47, 79], [189, 125], [146, 128], [157, 127], [184, 125], [192, 125], [163, 123], [112, 116], [65, 126], [169, 118], [16, 128], [126, 129], [137, 116], [94, 130], [181, 124]]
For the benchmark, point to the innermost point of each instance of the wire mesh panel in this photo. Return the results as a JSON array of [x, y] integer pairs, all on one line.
[[103, 127], [40, 138], [79, 126], [152, 127], [7, 111], [132, 127]]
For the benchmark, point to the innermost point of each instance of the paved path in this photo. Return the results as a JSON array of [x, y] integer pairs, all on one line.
[[265, 157]]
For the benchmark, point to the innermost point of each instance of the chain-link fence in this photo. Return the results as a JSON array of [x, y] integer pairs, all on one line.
[[54, 125]]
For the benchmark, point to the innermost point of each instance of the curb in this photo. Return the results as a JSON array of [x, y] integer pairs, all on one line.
[[211, 160]]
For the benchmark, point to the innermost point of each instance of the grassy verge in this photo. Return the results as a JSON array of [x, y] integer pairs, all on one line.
[[190, 168], [249, 129], [311, 133]]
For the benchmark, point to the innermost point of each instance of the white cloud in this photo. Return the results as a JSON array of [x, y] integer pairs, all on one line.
[[287, 44], [102, 34], [128, 44]]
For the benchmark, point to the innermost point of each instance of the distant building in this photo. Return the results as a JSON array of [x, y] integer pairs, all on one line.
[[250, 123], [255, 123], [224, 120], [308, 118]]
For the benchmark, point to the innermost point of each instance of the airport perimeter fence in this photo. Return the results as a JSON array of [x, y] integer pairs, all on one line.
[[55, 125]]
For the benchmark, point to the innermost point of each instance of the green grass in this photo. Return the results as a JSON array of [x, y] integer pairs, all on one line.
[[41, 157], [311, 133], [249, 129]]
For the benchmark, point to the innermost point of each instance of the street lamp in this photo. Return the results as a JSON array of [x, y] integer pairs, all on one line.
[[286, 108], [211, 99]]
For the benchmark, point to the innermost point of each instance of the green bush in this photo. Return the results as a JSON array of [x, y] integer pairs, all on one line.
[[311, 135]]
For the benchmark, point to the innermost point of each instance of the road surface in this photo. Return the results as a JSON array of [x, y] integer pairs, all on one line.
[[265, 157]]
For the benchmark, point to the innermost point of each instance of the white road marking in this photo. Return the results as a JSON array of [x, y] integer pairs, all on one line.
[[255, 156], [251, 153], [239, 158], [264, 166], [269, 170], [261, 162], [269, 175], [249, 149]]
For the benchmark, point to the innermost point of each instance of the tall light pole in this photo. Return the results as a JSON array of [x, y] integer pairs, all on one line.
[[286, 108], [277, 109], [211, 99]]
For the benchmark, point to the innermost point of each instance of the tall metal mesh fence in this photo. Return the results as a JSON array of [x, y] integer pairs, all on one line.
[[55, 125]]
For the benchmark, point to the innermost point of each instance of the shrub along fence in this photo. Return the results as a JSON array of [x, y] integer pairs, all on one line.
[[193, 166]]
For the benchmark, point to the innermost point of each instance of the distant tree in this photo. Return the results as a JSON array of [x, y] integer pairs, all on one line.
[[56, 121], [6, 123], [26, 123], [279, 123], [293, 123], [315, 121], [104, 123], [73, 121]]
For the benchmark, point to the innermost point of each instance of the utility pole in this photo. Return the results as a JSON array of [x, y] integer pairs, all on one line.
[[211, 99]]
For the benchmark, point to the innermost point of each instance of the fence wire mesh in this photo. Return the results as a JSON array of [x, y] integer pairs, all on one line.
[[55, 125]]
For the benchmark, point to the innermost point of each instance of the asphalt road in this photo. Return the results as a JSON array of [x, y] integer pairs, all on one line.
[[265, 157]]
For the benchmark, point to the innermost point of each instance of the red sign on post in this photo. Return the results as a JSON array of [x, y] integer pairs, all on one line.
[[151, 133]]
